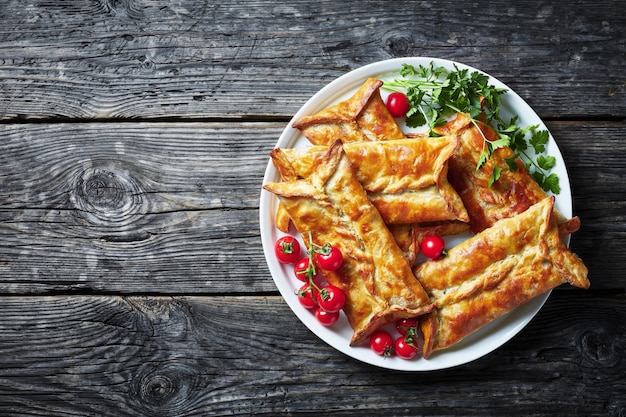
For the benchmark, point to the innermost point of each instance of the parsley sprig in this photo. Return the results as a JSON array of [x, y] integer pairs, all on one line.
[[436, 94]]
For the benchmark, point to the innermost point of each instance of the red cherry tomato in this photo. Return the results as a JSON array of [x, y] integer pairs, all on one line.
[[330, 298], [405, 347], [381, 343], [433, 247], [330, 261], [405, 326], [326, 318], [287, 249], [305, 297], [300, 269], [398, 104]]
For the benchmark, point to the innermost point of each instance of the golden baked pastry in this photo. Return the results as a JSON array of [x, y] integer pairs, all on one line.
[[287, 173], [514, 192], [405, 238], [362, 117], [405, 179], [495, 271], [378, 282]]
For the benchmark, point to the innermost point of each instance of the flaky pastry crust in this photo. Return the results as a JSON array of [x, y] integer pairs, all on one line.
[[377, 280], [495, 271], [362, 117], [406, 179]]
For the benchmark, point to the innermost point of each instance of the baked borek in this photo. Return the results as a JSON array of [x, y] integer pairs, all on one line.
[[405, 179], [362, 117], [378, 282], [515, 190], [493, 272]]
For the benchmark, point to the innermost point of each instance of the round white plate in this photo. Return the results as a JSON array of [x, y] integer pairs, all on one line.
[[482, 342]]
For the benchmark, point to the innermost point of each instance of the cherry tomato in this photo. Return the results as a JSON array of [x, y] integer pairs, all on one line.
[[300, 269], [326, 318], [398, 104], [405, 347], [287, 249], [330, 298], [405, 326], [306, 297], [381, 343], [433, 247], [330, 261]]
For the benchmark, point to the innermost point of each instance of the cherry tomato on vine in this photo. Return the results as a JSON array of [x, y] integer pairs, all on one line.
[[300, 269], [330, 261], [287, 249], [405, 347], [398, 104], [326, 318], [433, 247], [306, 297], [405, 326], [381, 343], [330, 298]]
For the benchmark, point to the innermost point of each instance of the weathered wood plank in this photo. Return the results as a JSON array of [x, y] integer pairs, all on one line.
[[147, 59], [594, 158], [133, 208], [132, 281], [136, 356], [169, 207]]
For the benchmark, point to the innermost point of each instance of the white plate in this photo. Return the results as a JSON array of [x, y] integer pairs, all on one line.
[[482, 342]]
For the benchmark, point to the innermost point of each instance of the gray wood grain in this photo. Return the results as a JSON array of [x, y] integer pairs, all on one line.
[[133, 207], [153, 60], [164, 356], [171, 208], [134, 135]]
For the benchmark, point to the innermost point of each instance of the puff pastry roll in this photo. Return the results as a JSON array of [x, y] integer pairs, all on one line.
[[378, 282], [495, 271], [514, 192], [406, 179], [362, 117]]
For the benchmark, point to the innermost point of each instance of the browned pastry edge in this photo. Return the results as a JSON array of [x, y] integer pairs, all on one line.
[[362, 117]]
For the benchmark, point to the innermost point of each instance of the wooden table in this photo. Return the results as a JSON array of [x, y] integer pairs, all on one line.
[[133, 140]]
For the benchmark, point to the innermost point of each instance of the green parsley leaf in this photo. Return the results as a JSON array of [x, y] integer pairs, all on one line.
[[503, 142], [495, 176], [546, 162], [539, 140], [518, 137], [551, 183], [539, 177], [436, 94], [510, 162], [482, 160]]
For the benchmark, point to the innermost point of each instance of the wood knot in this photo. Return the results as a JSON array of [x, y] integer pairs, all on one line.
[[128, 9], [158, 388], [166, 388], [619, 410], [107, 194], [598, 347], [398, 45], [147, 63]]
